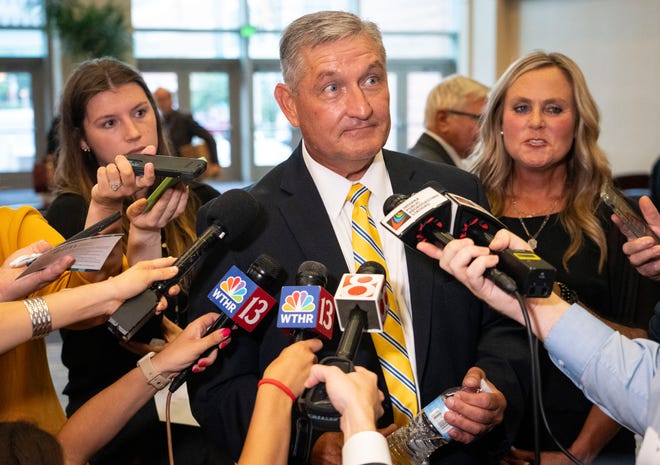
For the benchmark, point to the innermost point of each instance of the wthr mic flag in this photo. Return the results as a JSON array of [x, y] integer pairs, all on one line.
[[241, 299], [306, 307]]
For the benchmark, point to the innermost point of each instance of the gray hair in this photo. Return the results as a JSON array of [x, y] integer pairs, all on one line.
[[453, 93], [319, 28]]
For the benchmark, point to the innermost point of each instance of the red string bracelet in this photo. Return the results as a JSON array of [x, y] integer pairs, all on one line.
[[280, 385]]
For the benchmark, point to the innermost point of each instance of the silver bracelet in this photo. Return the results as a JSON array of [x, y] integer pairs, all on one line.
[[39, 315]]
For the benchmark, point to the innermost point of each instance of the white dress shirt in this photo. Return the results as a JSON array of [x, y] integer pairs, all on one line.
[[333, 189]]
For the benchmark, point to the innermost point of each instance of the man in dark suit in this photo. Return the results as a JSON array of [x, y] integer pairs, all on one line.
[[336, 92], [451, 118], [182, 127]]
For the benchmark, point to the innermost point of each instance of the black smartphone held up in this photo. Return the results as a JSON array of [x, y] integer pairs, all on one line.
[[184, 168], [627, 211]]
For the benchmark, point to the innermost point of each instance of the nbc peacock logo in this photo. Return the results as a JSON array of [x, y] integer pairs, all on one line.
[[235, 288], [299, 301], [398, 219]]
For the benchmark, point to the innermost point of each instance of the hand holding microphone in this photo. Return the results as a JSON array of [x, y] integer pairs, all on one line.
[[361, 307], [243, 298], [436, 216], [230, 215], [306, 310]]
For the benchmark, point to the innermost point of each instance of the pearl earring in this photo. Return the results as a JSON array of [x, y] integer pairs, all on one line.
[[501, 133]]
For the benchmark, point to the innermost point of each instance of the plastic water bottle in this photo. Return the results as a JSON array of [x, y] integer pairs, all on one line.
[[414, 443]]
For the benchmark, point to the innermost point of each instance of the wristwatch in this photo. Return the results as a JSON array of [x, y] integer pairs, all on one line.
[[154, 377]]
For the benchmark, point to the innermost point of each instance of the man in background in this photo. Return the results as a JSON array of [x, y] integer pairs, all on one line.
[[181, 128], [451, 118]]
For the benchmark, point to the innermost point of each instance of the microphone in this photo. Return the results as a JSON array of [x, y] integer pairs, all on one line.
[[361, 300], [437, 216], [361, 307], [230, 215], [244, 299], [307, 307]]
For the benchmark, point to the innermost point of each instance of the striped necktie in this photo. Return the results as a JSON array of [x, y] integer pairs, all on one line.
[[390, 344]]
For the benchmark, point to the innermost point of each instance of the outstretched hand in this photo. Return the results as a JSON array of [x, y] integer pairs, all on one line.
[[467, 262], [294, 363], [190, 344], [139, 277], [473, 411], [14, 289], [643, 252], [355, 395]]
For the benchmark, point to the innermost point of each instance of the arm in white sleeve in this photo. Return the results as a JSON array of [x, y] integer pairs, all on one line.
[[366, 448]]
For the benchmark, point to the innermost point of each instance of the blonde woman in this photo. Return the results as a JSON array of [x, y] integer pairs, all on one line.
[[542, 168]]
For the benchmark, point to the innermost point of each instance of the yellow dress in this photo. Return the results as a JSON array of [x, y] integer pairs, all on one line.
[[26, 390]]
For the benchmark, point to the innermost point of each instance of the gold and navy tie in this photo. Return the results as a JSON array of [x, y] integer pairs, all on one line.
[[390, 344]]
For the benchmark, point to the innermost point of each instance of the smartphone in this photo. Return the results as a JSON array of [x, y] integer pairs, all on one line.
[[96, 227], [627, 211], [183, 168], [156, 194]]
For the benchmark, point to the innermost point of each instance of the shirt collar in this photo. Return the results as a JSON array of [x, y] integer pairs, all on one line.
[[333, 188], [458, 161]]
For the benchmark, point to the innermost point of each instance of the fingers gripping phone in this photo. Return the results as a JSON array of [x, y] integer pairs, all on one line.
[[627, 211], [158, 192], [185, 169]]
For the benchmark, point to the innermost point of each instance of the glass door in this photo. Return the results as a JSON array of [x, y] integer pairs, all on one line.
[[273, 138], [23, 115]]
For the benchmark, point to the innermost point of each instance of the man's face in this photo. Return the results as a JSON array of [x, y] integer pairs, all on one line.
[[461, 131], [340, 104]]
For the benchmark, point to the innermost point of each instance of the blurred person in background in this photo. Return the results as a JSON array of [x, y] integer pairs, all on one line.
[[182, 127], [451, 119]]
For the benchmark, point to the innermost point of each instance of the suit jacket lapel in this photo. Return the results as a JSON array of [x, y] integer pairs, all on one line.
[[420, 274], [437, 148], [302, 209]]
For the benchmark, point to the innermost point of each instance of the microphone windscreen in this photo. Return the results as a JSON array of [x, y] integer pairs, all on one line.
[[371, 267], [437, 186], [311, 273], [392, 201], [267, 273], [235, 211]]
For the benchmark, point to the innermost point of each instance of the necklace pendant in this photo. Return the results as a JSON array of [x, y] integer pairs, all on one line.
[[532, 243]]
